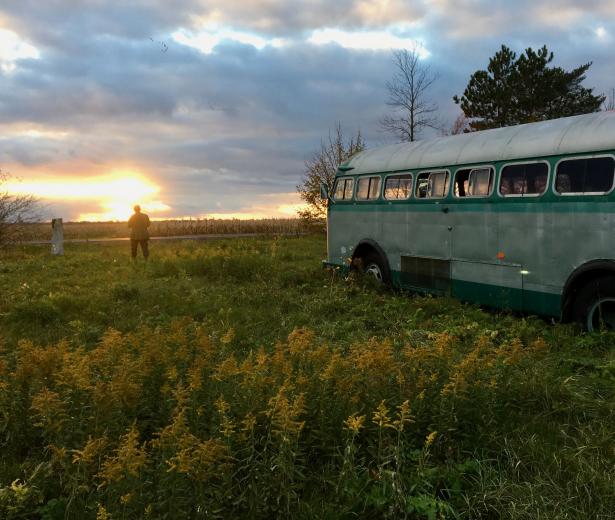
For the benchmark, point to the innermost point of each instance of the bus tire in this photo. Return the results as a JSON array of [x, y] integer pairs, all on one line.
[[375, 266], [594, 306]]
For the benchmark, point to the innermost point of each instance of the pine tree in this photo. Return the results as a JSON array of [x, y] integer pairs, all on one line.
[[525, 89]]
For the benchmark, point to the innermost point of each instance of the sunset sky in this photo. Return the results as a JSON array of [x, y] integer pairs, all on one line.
[[209, 108]]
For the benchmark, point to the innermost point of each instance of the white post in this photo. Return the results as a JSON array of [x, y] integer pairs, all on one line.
[[57, 238]]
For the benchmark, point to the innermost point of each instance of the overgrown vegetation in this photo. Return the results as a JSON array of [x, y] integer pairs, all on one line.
[[239, 379]]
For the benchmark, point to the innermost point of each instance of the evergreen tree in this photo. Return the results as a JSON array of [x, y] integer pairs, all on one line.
[[525, 89]]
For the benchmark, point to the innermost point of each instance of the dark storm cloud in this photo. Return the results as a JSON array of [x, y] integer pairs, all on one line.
[[216, 129]]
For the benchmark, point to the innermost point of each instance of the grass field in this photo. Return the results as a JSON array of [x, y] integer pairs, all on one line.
[[238, 379]]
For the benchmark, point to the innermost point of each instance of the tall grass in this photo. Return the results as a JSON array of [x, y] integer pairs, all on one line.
[[238, 379]]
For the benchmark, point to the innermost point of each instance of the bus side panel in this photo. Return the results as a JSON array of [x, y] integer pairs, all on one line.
[[580, 232], [429, 235], [397, 234], [349, 225], [339, 239], [474, 232], [488, 284], [525, 238]]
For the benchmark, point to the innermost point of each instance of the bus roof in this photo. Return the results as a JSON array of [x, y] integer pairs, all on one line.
[[568, 135]]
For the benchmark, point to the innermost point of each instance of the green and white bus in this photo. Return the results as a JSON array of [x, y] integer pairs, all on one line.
[[519, 218]]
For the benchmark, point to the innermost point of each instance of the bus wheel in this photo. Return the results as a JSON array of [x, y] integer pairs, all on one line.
[[595, 305], [375, 267]]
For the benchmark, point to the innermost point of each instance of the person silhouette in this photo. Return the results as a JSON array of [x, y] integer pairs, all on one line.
[[139, 234]]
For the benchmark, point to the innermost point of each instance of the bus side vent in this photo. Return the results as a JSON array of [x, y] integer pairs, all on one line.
[[432, 274]]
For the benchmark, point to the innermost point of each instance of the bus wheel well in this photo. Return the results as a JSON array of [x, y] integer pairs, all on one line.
[[365, 248], [579, 279], [369, 249]]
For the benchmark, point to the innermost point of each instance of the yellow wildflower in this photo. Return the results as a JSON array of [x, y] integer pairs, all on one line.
[[354, 423], [430, 439], [403, 416], [102, 514], [128, 460], [228, 337], [381, 416], [248, 423], [92, 449]]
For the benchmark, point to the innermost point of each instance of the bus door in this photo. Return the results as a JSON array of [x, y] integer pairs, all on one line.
[[479, 272], [425, 263]]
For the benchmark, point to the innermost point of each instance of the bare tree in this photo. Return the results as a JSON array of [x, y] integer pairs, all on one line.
[[321, 167], [15, 212], [460, 125], [408, 97], [609, 102]]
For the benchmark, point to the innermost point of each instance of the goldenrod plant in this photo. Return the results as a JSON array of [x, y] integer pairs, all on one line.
[[234, 384]]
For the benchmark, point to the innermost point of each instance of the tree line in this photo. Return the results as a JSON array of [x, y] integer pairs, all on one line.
[[512, 90]]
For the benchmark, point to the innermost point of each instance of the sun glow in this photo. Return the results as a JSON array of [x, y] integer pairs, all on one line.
[[272, 205], [113, 196], [12, 49]]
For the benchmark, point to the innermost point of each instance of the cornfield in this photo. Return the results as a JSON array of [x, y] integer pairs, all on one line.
[[169, 228]]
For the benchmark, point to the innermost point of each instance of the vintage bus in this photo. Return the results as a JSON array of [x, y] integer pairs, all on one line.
[[519, 218]]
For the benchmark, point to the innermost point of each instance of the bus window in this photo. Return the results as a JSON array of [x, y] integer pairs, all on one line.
[[422, 183], [438, 185], [473, 182], [460, 185], [343, 189], [398, 187], [480, 182], [368, 188], [589, 176], [518, 180], [432, 185]]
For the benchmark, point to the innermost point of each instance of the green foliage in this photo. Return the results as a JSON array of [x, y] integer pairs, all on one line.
[[239, 379], [124, 292], [55, 509], [526, 89]]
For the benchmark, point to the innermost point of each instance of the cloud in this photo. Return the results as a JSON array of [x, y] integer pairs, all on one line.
[[13, 49], [219, 103]]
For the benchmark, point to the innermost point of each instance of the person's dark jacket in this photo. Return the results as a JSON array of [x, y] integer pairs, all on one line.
[[138, 225]]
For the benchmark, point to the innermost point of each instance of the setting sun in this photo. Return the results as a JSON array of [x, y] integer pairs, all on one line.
[[112, 197]]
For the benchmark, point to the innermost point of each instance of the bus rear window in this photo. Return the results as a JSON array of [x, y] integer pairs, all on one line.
[[398, 187], [343, 189], [368, 188], [588, 176], [518, 180], [432, 185]]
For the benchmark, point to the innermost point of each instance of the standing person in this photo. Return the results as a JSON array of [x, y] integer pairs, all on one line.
[[139, 234]]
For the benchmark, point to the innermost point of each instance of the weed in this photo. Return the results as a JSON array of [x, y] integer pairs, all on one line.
[[238, 379]]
